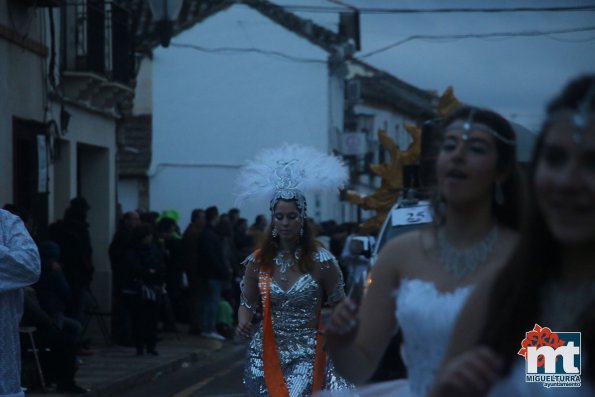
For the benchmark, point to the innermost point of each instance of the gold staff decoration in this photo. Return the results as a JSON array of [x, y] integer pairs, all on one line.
[[448, 102], [391, 173]]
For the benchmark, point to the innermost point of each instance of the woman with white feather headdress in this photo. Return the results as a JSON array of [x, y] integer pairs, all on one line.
[[289, 277]]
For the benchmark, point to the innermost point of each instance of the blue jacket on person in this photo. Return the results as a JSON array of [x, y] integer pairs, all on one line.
[[19, 267]]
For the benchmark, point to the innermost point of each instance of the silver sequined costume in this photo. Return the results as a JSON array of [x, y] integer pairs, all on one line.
[[292, 313]]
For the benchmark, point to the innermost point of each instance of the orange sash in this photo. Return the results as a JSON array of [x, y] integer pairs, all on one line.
[[273, 375]]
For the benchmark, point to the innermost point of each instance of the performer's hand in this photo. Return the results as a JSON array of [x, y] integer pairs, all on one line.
[[244, 330], [472, 374], [341, 328]]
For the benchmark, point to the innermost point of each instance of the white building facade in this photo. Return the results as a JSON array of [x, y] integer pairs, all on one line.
[[376, 101], [247, 77]]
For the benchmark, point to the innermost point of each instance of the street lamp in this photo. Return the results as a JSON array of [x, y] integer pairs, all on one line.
[[164, 13]]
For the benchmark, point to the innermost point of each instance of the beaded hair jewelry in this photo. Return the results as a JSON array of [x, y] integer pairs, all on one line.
[[469, 125], [579, 117]]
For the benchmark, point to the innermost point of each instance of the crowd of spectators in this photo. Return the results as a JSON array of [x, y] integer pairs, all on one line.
[[163, 277], [187, 276]]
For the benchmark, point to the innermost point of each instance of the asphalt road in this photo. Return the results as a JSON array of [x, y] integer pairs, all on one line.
[[220, 376]]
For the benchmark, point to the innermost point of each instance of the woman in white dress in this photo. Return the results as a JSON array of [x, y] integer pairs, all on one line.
[[550, 279], [421, 279]]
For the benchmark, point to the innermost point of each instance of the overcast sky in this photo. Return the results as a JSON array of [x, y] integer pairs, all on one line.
[[515, 76]]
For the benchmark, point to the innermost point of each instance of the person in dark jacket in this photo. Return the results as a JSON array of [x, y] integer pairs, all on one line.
[[214, 269], [53, 290], [174, 307], [196, 283], [144, 278], [72, 235], [59, 362], [121, 327]]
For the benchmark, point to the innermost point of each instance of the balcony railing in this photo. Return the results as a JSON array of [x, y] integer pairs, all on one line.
[[98, 62], [122, 58], [102, 41]]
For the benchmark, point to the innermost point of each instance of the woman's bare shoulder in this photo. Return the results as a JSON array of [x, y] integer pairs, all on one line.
[[400, 251], [406, 240]]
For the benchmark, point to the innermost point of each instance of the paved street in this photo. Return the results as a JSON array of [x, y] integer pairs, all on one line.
[[220, 376]]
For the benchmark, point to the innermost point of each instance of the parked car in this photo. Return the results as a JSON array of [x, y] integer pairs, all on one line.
[[406, 215], [355, 261]]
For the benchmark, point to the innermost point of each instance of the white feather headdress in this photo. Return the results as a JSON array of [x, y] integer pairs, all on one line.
[[288, 172]]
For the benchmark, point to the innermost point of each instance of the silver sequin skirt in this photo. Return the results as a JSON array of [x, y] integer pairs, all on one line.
[[297, 349]]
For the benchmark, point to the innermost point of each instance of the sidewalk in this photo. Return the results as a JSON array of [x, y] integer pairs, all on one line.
[[113, 369]]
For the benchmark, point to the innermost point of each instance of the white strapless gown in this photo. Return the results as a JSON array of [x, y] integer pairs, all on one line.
[[426, 317]]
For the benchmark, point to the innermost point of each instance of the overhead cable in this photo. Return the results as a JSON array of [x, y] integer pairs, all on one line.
[[528, 33], [374, 10]]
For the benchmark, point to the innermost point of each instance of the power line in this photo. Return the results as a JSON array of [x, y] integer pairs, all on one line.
[[429, 38], [577, 40], [378, 10], [372, 10], [235, 50], [530, 33]]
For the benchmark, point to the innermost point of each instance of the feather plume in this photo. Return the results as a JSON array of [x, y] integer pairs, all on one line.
[[289, 166]]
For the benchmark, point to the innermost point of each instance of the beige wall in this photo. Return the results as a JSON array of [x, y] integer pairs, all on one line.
[[21, 77], [97, 186], [90, 141]]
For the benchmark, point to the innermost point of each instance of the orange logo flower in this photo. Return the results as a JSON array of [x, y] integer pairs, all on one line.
[[538, 337]]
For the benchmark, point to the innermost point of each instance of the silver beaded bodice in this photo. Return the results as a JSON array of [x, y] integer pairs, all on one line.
[[293, 312], [296, 307]]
